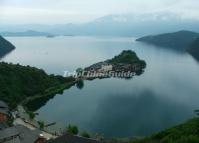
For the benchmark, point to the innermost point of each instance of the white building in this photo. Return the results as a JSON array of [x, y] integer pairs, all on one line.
[[106, 68]]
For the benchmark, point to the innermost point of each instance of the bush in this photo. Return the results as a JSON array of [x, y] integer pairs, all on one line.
[[41, 124], [31, 115], [85, 134], [72, 129]]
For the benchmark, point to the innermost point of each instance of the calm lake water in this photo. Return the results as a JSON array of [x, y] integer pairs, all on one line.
[[164, 95]]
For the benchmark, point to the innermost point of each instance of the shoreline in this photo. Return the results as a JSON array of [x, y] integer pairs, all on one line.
[[48, 92]]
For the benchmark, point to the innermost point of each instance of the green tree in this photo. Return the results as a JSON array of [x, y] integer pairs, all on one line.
[[31, 115], [41, 124], [72, 129]]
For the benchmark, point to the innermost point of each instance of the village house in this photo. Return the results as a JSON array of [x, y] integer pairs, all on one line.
[[106, 68], [100, 67], [68, 138], [4, 112], [21, 134], [94, 67], [9, 134]]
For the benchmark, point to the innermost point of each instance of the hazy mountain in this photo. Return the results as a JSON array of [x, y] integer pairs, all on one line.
[[184, 41], [26, 33], [194, 49], [115, 25], [5, 47], [178, 40], [140, 25]]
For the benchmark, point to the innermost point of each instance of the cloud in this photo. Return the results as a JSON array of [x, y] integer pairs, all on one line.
[[63, 11], [20, 15]]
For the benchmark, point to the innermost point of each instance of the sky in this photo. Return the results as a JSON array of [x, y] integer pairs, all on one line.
[[81, 11]]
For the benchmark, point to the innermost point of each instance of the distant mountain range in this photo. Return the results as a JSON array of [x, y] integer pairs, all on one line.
[[26, 33], [5, 47], [114, 25], [184, 41], [178, 40]]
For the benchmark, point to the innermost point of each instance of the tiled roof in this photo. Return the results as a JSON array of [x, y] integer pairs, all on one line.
[[24, 134], [8, 132], [15, 140], [67, 138], [27, 135], [3, 125]]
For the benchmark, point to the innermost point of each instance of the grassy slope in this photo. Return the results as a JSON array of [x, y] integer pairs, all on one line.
[[187, 132]]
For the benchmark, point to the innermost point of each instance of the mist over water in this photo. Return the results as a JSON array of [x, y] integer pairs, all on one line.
[[164, 95]]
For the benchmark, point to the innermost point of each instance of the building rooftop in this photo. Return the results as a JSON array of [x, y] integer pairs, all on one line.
[[3, 125], [3, 104], [14, 140], [23, 134], [4, 111], [27, 135], [8, 132], [67, 138]]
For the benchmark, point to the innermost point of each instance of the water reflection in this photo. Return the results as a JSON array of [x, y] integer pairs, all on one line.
[[36, 103], [136, 114], [5, 54], [80, 84]]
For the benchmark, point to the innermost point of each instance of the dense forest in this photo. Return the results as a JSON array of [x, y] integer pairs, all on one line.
[[5, 47], [19, 82], [126, 57]]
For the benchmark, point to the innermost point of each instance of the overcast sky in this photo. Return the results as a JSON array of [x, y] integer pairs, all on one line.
[[78, 11]]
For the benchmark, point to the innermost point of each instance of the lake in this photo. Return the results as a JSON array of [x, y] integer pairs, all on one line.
[[164, 95]]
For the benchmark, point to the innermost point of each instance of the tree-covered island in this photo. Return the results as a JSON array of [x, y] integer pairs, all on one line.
[[126, 61]]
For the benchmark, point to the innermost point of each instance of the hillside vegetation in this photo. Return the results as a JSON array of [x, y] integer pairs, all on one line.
[[187, 132], [183, 41], [176, 41], [19, 82], [5, 47], [126, 57], [194, 49]]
